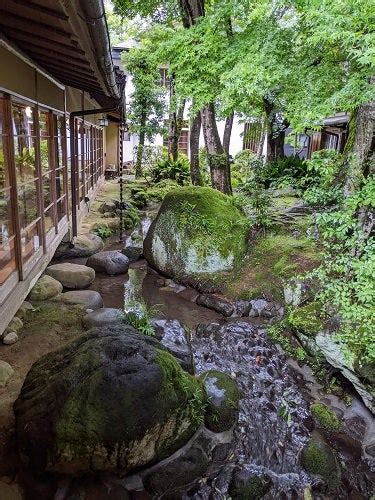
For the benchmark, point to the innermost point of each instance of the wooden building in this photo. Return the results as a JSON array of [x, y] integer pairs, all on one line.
[[57, 81]]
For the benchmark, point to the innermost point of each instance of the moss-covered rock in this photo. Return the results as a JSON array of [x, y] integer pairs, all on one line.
[[46, 288], [223, 401], [319, 459], [246, 485], [111, 400], [198, 232], [324, 417], [307, 319]]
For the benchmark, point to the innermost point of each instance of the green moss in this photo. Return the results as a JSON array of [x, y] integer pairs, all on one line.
[[54, 315], [222, 412], [184, 384], [278, 334], [319, 459], [158, 191], [209, 218], [325, 417], [284, 202], [253, 488], [307, 319], [273, 259]]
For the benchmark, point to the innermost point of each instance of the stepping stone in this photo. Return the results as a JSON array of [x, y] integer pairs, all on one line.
[[216, 303], [109, 262], [73, 276], [82, 246], [10, 338], [6, 371], [88, 299], [103, 316], [45, 288]]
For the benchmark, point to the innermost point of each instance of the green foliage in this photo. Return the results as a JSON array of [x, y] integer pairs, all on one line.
[[103, 231], [325, 417], [307, 319], [346, 275], [277, 334], [139, 316], [178, 170]]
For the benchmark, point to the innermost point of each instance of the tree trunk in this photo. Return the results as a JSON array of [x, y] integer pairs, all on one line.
[[228, 132], [363, 148], [195, 130], [275, 133], [216, 157], [141, 144], [176, 121]]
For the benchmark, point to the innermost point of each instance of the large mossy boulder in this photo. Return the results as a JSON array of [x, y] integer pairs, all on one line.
[[320, 460], [111, 400], [197, 233]]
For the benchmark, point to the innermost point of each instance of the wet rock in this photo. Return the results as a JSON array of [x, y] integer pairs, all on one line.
[[319, 459], [14, 325], [172, 335], [370, 449], [114, 400], [335, 357], [103, 316], [133, 252], [216, 303], [257, 307], [248, 485], [209, 330], [325, 418], [24, 309], [223, 401], [188, 465], [6, 371], [177, 246], [243, 308], [82, 246], [73, 276], [10, 338], [88, 299], [356, 427], [108, 206], [109, 262], [95, 488], [46, 288]]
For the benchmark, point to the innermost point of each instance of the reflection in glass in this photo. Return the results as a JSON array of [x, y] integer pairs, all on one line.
[[24, 156], [7, 260], [49, 222], [47, 190], [27, 203], [30, 241], [23, 119], [6, 224]]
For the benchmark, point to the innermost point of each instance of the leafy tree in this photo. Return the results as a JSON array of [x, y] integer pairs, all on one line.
[[146, 107]]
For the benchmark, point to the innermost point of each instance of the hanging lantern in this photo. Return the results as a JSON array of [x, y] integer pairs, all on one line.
[[103, 122]]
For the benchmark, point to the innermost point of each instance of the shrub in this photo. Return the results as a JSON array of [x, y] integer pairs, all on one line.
[[178, 170]]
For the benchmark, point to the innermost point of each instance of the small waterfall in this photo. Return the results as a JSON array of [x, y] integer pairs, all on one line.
[[133, 298]]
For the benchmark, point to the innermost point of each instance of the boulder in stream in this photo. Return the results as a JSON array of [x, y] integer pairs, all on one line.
[[72, 276], [223, 401], [197, 233], [83, 245], [249, 485], [173, 336], [111, 400], [218, 304], [87, 299], [109, 262], [103, 316], [319, 459]]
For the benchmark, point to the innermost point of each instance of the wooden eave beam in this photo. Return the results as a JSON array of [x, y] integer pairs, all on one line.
[[17, 20], [30, 37], [44, 10], [48, 55]]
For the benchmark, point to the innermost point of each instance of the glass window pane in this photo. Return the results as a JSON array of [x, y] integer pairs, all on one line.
[[43, 124], [45, 147], [27, 204], [7, 260], [30, 241], [47, 190], [60, 184], [6, 223], [24, 155], [4, 168], [61, 208], [49, 222], [23, 119]]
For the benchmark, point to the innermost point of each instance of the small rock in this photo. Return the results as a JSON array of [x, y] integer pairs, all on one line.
[[6, 371], [248, 485], [172, 335], [108, 206], [356, 427], [243, 308], [216, 303], [89, 299], [370, 449], [14, 325], [82, 246], [103, 316], [133, 252], [257, 307], [73, 276], [23, 310], [109, 262], [10, 338], [47, 287], [296, 292]]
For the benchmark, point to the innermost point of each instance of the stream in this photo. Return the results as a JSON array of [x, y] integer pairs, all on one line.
[[274, 421]]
